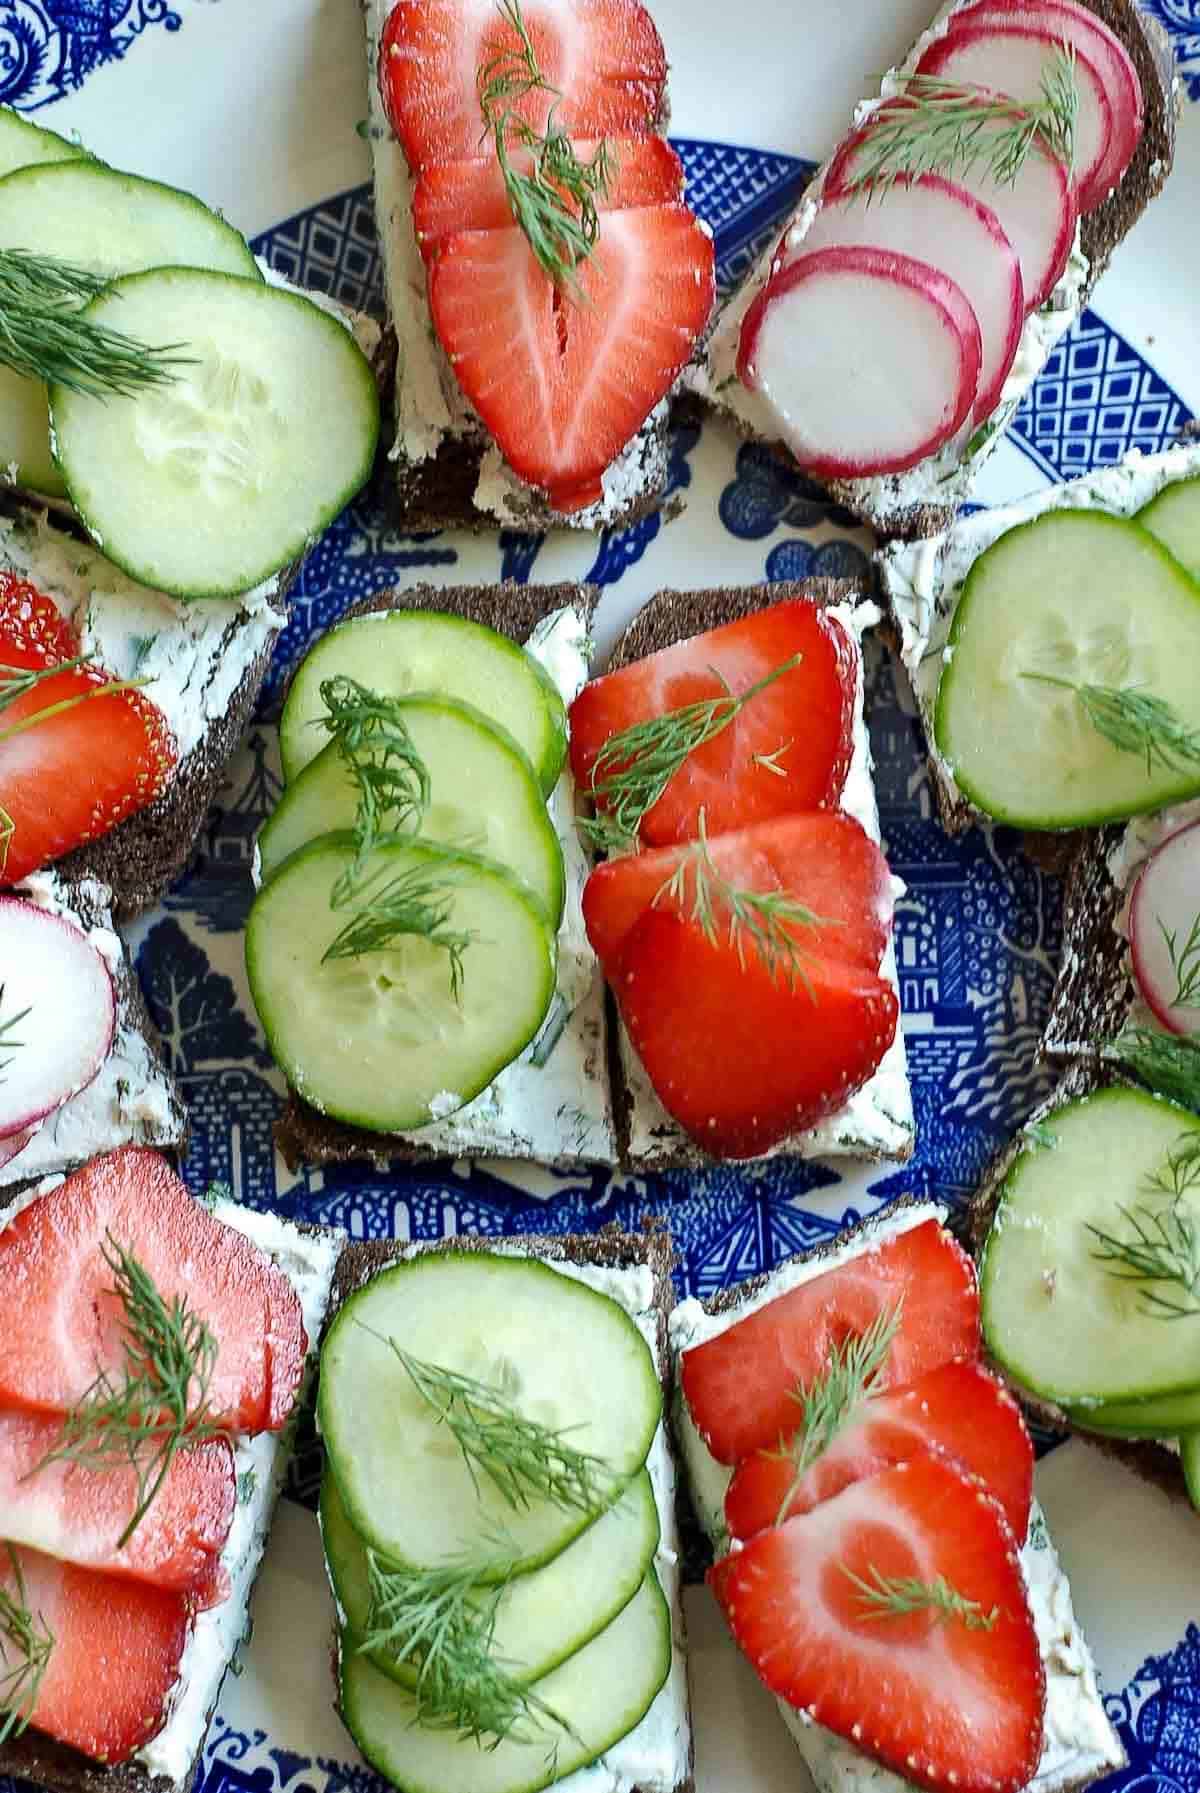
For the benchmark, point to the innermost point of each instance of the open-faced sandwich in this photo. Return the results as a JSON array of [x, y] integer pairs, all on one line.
[[498, 1514], [951, 239], [153, 1355], [545, 280], [879, 1557], [429, 948]]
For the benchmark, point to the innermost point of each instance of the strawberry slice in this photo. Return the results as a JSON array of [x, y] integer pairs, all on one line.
[[741, 1386], [453, 196], [66, 1322], [604, 58], [823, 860], [787, 749], [77, 1513], [959, 1410], [114, 1659], [796, 1040], [948, 1699], [565, 386], [33, 622]]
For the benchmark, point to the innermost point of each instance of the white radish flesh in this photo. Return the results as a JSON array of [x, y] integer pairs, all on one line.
[[1036, 210], [943, 225], [1164, 931], [1080, 28], [868, 360], [1016, 62], [57, 1013]]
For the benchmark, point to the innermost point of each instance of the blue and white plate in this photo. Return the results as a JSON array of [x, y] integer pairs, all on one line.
[[253, 104]]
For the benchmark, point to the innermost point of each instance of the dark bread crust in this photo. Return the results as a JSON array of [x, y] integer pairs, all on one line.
[[1094, 990], [45, 1763]]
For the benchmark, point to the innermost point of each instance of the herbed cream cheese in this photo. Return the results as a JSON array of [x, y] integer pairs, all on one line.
[[1079, 1743]]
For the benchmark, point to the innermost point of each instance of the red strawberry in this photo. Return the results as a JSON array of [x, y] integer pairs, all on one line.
[[453, 196], [66, 1323], [564, 386], [958, 1409], [77, 1513], [604, 58], [943, 1702], [823, 860], [115, 1656], [788, 749], [30, 620], [741, 1385], [745, 1054]]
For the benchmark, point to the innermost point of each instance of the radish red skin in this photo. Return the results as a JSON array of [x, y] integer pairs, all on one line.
[[1166, 894], [68, 1060], [943, 296]]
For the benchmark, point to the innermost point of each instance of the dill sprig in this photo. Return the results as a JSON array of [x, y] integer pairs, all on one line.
[[16, 682], [7, 1042], [520, 1457], [1133, 721], [1168, 1063], [26, 1645], [554, 200], [1185, 963], [160, 1404], [416, 902], [381, 758], [897, 1596], [44, 336], [1162, 1252], [947, 126], [851, 1377], [634, 768], [442, 1621]]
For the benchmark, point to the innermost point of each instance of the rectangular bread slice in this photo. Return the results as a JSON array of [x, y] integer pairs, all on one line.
[[133, 1100], [1080, 1743], [448, 472], [877, 1123], [922, 581], [634, 1269], [924, 500], [171, 1762]]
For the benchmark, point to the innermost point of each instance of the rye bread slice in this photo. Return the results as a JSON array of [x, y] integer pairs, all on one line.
[[884, 503], [302, 1134], [1094, 990]]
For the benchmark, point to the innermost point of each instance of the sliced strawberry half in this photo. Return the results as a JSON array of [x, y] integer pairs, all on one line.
[[65, 1322], [744, 1049], [948, 1700], [78, 1513], [564, 386], [471, 195], [604, 58], [958, 1409], [32, 621], [823, 860], [741, 1386], [114, 1659], [788, 748]]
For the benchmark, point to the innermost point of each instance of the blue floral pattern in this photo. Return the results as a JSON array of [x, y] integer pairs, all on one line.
[[1181, 20], [49, 47]]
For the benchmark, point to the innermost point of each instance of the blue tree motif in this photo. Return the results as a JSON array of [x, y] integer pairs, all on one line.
[[194, 1007], [1181, 19], [805, 560], [767, 494], [518, 553]]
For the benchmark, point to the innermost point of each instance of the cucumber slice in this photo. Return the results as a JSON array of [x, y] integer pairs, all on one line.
[[484, 798], [206, 486], [600, 1694], [1080, 596], [1189, 1460], [398, 652], [560, 1351], [1055, 1315], [380, 1039], [541, 1618], [1161, 1418], [25, 455], [23, 144], [1173, 518]]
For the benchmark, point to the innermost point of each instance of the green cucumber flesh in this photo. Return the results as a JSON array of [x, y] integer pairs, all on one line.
[[404, 652], [541, 1618], [381, 1039], [600, 1694], [1153, 1418], [561, 1352], [1083, 597], [1054, 1314], [1173, 518], [483, 797], [208, 485], [1189, 1462], [23, 144], [25, 436]]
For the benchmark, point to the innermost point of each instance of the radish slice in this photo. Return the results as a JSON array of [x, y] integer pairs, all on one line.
[[53, 978], [13, 1145], [1015, 62], [1077, 26], [1036, 211], [942, 223], [1164, 931], [869, 360]]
